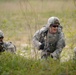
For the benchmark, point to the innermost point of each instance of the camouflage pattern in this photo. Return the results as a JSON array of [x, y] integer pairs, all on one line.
[[74, 54], [38, 37], [54, 43], [1, 34], [53, 20], [7, 46], [75, 50]]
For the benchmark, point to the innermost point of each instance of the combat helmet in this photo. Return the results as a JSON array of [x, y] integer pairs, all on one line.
[[53, 21], [1, 34]]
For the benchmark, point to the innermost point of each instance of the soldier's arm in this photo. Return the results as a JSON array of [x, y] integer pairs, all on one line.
[[60, 46], [10, 47], [38, 36], [2, 47]]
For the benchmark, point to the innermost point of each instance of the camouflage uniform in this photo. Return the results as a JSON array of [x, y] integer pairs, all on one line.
[[54, 43], [6, 46], [74, 54]]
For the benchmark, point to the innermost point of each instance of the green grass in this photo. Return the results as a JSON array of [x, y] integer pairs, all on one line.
[[11, 64]]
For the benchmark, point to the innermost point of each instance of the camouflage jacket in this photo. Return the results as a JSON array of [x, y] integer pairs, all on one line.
[[53, 43], [7, 46]]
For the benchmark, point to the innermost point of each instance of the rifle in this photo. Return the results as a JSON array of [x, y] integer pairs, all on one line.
[[2, 47], [50, 47]]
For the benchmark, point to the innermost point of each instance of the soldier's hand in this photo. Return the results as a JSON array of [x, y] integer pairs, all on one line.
[[1, 47], [53, 56], [42, 46]]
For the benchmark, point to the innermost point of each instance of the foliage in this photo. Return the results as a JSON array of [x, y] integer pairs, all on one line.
[[11, 64]]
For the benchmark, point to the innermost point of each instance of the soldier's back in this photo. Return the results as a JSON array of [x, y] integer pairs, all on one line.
[[10, 47]]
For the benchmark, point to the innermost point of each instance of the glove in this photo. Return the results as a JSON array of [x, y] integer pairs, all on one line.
[[42, 46], [53, 56]]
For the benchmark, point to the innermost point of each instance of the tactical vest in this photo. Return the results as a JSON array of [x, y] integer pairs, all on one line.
[[51, 42]]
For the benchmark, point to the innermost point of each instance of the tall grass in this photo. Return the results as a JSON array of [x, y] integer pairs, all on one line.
[[11, 64]]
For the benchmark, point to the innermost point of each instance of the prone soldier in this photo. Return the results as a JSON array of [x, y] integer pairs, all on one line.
[[6, 46]]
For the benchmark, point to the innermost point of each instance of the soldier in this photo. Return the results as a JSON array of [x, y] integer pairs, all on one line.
[[74, 54], [50, 39], [6, 46]]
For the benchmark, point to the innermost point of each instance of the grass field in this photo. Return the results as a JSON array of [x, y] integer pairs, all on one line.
[[20, 19]]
